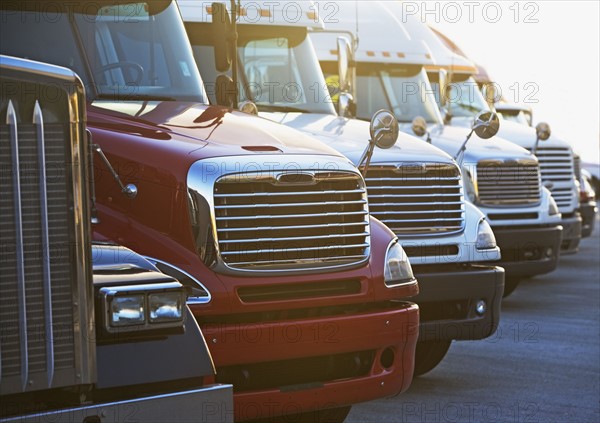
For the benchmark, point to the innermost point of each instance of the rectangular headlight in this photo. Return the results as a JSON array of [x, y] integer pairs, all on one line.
[[166, 306], [127, 310]]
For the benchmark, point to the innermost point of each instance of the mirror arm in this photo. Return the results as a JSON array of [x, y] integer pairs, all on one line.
[[234, 61], [462, 148], [130, 190], [366, 158]]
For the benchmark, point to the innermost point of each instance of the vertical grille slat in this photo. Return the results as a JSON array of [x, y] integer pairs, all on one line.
[[417, 199], [508, 183], [264, 225]]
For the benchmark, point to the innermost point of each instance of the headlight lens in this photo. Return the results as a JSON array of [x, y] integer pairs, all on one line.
[[397, 266], [166, 307], [552, 206], [127, 311], [485, 236]]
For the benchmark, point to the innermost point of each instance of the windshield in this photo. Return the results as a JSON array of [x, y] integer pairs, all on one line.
[[514, 116], [277, 70], [464, 98], [124, 51], [405, 90]]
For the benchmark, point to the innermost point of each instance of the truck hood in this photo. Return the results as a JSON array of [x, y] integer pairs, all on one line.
[[517, 133], [350, 137], [450, 138], [190, 127]]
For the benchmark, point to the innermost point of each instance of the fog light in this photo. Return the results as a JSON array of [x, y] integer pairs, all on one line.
[[549, 252], [481, 307]]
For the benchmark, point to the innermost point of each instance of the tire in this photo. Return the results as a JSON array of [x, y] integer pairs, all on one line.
[[429, 354], [510, 284]]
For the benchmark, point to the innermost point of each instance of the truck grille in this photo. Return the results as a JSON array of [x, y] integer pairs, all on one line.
[[557, 167], [37, 306], [508, 183], [417, 199], [296, 220]]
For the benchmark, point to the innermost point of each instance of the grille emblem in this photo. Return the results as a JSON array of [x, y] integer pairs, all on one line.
[[295, 178]]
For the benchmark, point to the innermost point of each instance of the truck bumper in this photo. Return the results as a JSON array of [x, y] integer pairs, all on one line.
[[297, 366], [448, 298], [572, 227], [588, 213], [210, 404], [528, 251]]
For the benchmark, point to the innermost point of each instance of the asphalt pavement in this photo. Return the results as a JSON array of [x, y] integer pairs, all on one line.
[[542, 365]]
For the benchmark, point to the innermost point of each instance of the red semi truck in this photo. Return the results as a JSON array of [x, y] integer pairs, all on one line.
[[303, 295]]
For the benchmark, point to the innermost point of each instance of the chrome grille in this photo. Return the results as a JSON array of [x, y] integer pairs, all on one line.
[[417, 199], [508, 183], [558, 169], [296, 220]]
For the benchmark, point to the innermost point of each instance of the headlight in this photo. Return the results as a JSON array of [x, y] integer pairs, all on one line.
[[485, 236], [470, 185], [142, 307], [552, 206], [397, 267]]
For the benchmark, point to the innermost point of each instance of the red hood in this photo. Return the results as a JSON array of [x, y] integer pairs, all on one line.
[[189, 127]]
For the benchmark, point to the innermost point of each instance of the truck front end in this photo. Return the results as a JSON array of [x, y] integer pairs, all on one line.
[[271, 224], [415, 189], [84, 328]]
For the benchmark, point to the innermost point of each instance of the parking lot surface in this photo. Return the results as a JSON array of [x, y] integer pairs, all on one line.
[[542, 365]]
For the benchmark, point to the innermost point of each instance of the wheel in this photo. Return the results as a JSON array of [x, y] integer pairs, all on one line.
[[429, 354], [124, 65], [331, 415], [510, 284]]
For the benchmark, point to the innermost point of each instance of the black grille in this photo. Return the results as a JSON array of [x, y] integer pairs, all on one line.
[[417, 199], [508, 183], [31, 356], [291, 221]]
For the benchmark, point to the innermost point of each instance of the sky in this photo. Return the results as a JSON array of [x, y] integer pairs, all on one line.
[[544, 54]]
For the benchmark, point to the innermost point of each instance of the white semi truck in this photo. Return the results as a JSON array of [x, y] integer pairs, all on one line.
[[415, 188], [556, 157], [501, 178]]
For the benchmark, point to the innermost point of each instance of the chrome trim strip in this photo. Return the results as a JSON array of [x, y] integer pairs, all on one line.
[[283, 250], [190, 300], [38, 121], [295, 238], [277, 228], [11, 121], [274, 194], [258, 205]]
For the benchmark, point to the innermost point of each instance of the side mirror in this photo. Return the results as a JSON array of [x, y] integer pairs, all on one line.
[[486, 125], [419, 126], [225, 91], [221, 28], [384, 129], [344, 51], [443, 83], [346, 105], [248, 107], [542, 131]]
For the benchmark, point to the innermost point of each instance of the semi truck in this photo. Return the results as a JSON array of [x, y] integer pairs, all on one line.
[[500, 178], [414, 188], [308, 294], [556, 156], [89, 332]]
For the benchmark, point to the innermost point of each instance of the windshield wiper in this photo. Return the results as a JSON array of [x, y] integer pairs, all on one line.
[[133, 97], [276, 108], [468, 107]]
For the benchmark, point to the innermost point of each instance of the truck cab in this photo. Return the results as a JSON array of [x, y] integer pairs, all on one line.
[[391, 73], [414, 188], [308, 308], [90, 332], [556, 157]]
